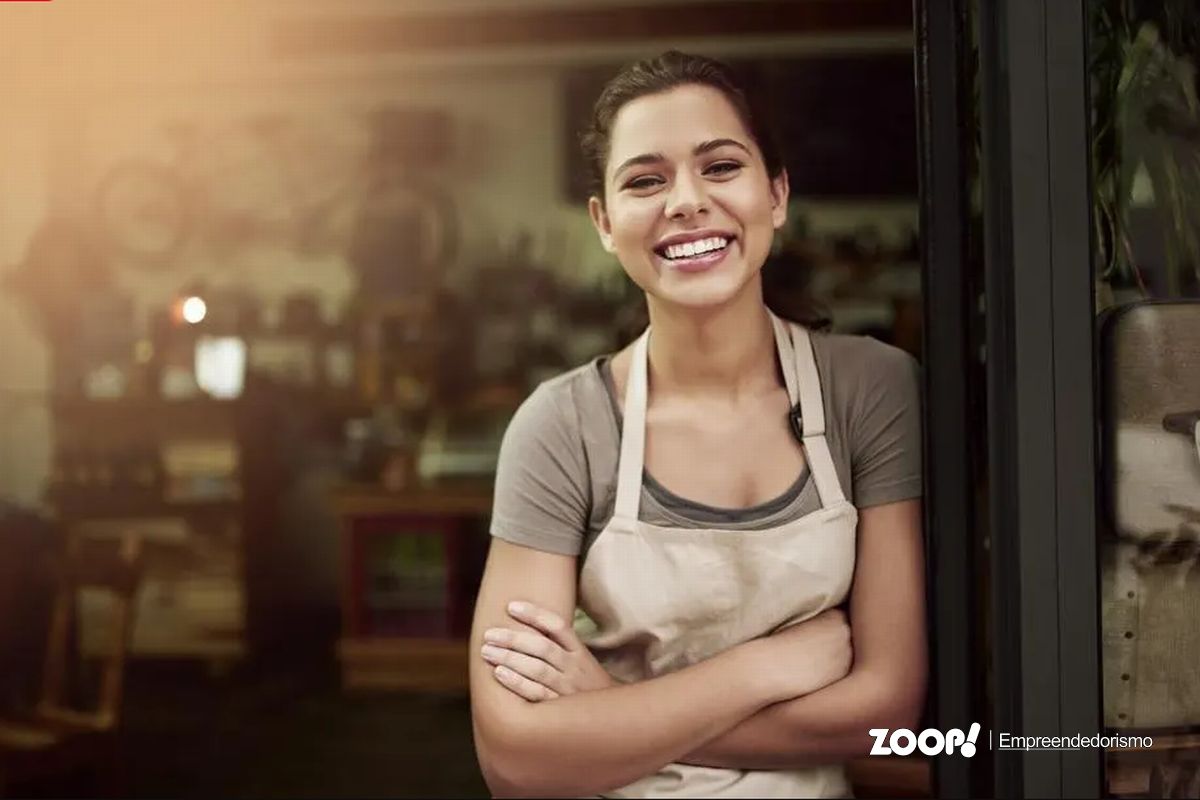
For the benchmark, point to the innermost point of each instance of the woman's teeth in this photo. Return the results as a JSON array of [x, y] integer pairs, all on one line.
[[696, 248]]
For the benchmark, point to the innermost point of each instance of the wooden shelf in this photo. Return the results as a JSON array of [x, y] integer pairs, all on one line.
[[117, 506], [196, 477], [466, 498], [437, 665]]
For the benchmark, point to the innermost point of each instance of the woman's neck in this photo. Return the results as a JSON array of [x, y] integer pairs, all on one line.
[[724, 352]]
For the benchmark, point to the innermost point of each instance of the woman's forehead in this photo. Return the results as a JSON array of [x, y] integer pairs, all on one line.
[[674, 120]]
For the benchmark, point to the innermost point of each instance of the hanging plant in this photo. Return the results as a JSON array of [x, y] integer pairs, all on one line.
[[1145, 138]]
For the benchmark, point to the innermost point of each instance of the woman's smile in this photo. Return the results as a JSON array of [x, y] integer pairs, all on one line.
[[698, 252]]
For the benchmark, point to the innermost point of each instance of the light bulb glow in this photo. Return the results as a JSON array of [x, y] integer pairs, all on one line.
[[194, 310]]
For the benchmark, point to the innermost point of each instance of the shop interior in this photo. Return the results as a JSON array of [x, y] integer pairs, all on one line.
[[274, 278], [272, 282]]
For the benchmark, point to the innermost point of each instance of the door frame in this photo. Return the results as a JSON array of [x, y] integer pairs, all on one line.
[[946, 127], [1041, 391]]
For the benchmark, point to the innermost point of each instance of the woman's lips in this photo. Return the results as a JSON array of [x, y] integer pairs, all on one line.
[[698, 263]]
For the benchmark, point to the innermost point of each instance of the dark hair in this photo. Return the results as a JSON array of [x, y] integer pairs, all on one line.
[[783, 279]]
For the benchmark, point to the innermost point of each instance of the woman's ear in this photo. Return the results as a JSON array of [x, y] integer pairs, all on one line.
[[600, 221], [779, 199]]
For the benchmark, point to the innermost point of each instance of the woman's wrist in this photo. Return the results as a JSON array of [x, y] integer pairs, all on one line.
[[760, 673]]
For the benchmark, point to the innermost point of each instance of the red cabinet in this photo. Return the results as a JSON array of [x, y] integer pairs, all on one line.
[[411, 563]]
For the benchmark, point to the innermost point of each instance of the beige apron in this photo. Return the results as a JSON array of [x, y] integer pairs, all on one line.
[[664, 598]]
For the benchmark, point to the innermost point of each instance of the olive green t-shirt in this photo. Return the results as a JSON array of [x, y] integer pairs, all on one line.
[[556, 481]]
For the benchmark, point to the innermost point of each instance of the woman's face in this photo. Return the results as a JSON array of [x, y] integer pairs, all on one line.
[[690, 211]]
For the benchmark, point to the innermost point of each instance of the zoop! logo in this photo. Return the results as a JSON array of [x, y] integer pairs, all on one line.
[[931, 741]]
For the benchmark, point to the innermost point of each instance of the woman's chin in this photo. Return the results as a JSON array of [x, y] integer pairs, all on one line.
[[715, 289]]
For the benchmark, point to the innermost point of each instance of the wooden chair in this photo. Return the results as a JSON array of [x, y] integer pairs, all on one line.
[[59, 739]]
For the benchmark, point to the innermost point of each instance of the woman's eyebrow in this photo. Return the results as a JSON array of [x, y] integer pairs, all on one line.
[[700, 149], [713, 144], [644, 158]]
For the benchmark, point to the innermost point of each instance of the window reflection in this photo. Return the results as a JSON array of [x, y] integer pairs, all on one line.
[[1146, 205]]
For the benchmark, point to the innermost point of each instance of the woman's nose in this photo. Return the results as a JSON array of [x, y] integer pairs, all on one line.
[[686, 198]]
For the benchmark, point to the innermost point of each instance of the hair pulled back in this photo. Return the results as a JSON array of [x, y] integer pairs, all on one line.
[[783, 277]]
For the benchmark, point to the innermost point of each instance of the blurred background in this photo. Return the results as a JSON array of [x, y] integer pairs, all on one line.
[[273, 278]]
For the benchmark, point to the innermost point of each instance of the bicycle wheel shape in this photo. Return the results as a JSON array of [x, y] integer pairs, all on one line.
[[143, 208]]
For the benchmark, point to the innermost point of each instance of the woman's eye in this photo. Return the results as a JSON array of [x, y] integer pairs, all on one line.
[[723, 167], [644, 182]]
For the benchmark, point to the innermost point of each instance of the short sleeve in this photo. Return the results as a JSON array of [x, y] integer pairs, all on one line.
[[542, 493], [885, 429]]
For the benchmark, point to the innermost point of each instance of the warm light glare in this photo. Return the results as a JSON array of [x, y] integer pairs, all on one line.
[[194, 310], [221, 366]]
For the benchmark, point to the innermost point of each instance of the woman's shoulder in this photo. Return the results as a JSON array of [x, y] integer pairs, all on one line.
[[857, 347], [852, 362], [557, 406], [543, 487], [873, 400], [580, 384]]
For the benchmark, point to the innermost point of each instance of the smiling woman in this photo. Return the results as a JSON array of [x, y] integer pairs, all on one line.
[[715, 498], [678, 180]]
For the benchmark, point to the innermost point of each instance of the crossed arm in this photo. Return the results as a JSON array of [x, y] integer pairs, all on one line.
[[769, 712]]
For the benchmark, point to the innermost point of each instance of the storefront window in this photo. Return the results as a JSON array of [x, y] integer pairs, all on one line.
[[1146, 206]]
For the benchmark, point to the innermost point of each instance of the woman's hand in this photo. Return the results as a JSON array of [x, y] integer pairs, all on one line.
[[813, 653], [544, 663]]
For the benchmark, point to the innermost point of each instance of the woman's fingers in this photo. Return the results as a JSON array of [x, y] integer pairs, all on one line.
[[547, 622], [527, 667], [534, 656], [527, 642], [522, 686]]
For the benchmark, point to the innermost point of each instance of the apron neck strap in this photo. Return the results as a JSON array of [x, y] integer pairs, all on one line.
[[812, 404], [633, 435], [812, 417], [787, 358]]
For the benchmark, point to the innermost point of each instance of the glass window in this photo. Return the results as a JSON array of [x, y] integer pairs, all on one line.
[[1146, 207]]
